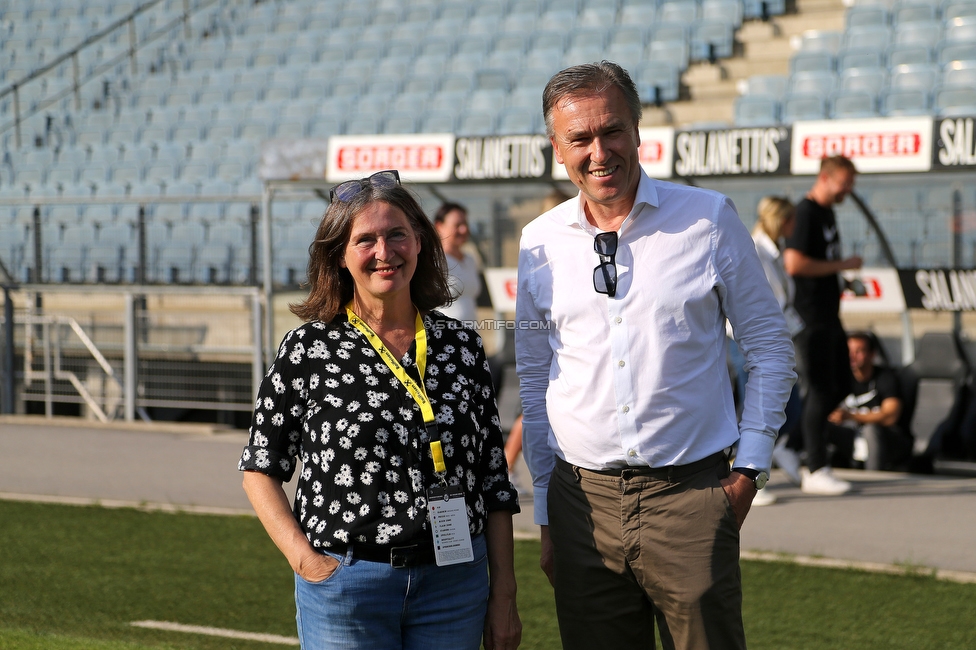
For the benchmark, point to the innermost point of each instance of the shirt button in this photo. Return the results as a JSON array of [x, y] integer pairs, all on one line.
[[618, 320], [631, 453], [621, 363], [626, 409]]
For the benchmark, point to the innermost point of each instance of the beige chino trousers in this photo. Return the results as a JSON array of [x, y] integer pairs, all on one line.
[[643, 545]]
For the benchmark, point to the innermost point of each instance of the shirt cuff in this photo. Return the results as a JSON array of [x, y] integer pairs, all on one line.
[[755, 451], [540, 506]]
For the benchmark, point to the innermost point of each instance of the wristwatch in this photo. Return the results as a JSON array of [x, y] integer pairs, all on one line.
[[758, 478]]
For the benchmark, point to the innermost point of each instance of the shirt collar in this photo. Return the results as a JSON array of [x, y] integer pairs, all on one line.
[[646, 195]]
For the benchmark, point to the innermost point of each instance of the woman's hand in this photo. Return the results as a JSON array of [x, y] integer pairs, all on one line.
[[503, 628], [316, 567]]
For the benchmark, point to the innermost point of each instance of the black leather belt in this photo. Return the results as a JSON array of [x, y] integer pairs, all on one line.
[[666, 472], [399, 557]]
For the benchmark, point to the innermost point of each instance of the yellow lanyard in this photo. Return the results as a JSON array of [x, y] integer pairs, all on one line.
[[416, 390]]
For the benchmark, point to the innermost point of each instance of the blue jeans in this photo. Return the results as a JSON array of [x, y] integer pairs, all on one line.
[[370, 605]]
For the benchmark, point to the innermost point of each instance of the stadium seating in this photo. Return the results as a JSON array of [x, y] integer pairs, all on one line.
[[190, 119]]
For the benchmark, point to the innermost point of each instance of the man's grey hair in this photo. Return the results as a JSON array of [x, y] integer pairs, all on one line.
[[589, 79]]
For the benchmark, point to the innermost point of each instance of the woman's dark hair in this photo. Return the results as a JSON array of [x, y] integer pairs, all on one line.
[[446, 209], [331, 286]]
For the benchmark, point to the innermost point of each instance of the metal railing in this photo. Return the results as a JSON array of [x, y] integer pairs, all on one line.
[[147, 346]]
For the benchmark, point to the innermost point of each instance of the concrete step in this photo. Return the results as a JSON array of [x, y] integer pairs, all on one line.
[[689, 112], [798, 23], [757, 30], [743, 68], [716, 90], [770, 50], [656, 116], [818, 6], [766, 50]]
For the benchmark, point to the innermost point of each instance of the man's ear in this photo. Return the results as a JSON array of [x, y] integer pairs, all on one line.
[[555, 151]]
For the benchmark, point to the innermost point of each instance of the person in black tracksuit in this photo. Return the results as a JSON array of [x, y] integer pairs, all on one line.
[[813, 257]]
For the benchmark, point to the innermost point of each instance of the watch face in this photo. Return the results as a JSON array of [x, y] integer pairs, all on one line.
[[761, 480]]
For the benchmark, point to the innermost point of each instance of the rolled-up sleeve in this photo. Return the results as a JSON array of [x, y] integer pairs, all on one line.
[[760, 330], [276, 425], [533, 354]]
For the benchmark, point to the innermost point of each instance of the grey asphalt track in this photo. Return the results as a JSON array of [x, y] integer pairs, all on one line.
[[919, 521]]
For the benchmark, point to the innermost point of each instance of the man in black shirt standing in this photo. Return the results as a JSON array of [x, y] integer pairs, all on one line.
[[813, 257], [870, 413]]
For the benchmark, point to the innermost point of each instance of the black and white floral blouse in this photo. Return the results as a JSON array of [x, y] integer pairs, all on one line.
[[330, 401]]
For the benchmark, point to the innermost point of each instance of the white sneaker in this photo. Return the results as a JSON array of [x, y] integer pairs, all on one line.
[[788, 461], [764, 498], [823, 482]]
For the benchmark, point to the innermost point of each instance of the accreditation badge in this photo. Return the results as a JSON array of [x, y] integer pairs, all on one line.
[[449, 523]]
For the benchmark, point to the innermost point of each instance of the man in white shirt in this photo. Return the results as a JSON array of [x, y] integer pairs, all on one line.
[[623, 294]]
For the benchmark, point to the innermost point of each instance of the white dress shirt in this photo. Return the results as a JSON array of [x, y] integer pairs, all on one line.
[[641, 379], [781, 282]]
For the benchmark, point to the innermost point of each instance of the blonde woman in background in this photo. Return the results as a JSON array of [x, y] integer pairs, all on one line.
[[777, 218]]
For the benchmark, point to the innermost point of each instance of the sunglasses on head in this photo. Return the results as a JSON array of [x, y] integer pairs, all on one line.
[[348, 190]]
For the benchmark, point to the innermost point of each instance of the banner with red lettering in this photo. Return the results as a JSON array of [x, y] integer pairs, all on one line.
[[872, 291], [420, 158], [897, 144], [502, 286]]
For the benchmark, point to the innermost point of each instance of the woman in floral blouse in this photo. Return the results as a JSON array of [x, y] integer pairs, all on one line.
[[387, 405]]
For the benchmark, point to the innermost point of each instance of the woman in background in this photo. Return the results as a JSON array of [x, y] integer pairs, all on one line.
[[777, 218], [451, 223]]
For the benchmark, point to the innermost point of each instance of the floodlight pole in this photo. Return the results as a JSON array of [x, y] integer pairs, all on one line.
[[266, 195], [907, 337], [7, 397]]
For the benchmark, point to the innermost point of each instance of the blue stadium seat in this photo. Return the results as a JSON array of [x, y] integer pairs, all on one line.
[[853, 104], [678, 11], [756, 110], [954, 101], [476, 123], [867, 14], [596, 16], [921, 76], [927, 33], [657, 81], [673, 52], [960, 73], [871, 37], [857, 57], [821, 40], [808, 61], [518, 121], [812, 82], [774, 85], [438, 121], [952, 9], [872, 80], [710, 40], [902, 54], [948, 52], [638, 14], [802, 107], [904, 102], [106, 263]]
